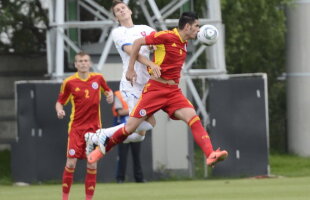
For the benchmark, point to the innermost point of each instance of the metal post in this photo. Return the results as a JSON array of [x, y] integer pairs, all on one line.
[[60, 8]]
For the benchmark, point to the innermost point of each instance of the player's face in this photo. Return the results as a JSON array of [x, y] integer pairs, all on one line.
[[122, 12], [82, 63], [193, 30]]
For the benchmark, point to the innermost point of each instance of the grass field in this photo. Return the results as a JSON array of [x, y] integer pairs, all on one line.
[[237, 189], [291, 182]]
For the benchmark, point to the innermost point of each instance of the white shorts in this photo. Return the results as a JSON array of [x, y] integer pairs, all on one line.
[[131, 94]]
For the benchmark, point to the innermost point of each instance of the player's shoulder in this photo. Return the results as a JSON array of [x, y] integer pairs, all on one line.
[[164, 33], [96, 75], [117, 30], [145, 28], [70, 78]]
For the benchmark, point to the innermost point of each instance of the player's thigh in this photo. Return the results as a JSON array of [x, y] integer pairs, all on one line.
[[185, 114]]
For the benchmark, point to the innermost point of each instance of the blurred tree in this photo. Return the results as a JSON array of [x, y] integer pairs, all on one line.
[[255, 42], [22, 26]]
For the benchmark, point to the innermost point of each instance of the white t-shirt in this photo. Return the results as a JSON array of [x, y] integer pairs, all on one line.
[[126, 36]]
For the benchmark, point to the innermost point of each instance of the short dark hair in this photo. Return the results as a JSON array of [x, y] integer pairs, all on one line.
[[187, 18], [81, 54], [115, 3]]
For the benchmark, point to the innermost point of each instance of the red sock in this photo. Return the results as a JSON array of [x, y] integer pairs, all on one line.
[[67, 179], [90, 183], [119, 136], [201, 136]]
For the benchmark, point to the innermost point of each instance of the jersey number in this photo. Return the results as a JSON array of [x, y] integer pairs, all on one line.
[[86, 93]]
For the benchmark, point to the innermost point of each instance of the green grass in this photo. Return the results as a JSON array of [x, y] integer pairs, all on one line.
[[289, 165], [291, 182], [237, 189]]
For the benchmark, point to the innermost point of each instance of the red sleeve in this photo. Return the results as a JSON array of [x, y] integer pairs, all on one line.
[[157, 37], [64, 93], [104, 85]]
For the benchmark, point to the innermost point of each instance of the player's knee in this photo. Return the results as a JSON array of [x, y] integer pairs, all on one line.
[[92, 165], [70, 165]]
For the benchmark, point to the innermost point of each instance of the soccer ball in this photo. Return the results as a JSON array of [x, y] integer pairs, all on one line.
[[208, 34]]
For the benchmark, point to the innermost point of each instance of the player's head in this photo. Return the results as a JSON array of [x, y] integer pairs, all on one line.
[[82, 62], [120, 10], [189, 23]]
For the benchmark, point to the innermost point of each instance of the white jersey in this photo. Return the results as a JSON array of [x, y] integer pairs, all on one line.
[[123, 36]]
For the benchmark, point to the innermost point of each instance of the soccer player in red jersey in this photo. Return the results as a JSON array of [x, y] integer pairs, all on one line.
[[83, 90], [162, 91]]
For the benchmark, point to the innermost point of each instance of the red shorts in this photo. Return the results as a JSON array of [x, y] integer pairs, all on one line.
[[156, 96], [76, 143]]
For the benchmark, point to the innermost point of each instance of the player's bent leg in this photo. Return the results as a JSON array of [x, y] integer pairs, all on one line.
[[119, 136], [148, 124], [201, 136], [139, 134]]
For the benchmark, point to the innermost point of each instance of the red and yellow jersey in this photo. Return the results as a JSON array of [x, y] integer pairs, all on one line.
[[170, 54], [84, 95]]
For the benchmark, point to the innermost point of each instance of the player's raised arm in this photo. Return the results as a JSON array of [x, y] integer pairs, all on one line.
[[134, 55], [131, 75]]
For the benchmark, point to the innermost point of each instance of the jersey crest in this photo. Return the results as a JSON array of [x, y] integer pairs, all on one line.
[[95, 85]]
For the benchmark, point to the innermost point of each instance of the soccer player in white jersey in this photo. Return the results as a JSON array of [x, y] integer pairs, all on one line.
[[123, 37]]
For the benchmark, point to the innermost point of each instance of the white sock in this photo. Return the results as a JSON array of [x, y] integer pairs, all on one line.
[[134, 137], [107, 131], [144, 126], [110, 131]]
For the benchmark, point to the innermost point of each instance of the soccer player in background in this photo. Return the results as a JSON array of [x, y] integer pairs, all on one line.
[[162, 91], [83, 90], [123, 37]]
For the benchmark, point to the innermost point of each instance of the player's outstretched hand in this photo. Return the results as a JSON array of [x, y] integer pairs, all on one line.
[[131, 76]]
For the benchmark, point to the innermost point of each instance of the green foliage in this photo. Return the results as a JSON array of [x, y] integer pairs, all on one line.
[[5, 169], [289, 165], [255, 42], [23, 23]]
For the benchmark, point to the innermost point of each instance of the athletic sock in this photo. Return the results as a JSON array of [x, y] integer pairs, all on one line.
[[119, 136], [144, 126], [67, 179], [201, 136], [134, 137], [90, 183]]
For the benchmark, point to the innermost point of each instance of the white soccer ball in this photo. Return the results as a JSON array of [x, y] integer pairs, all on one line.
[[208, 34]]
